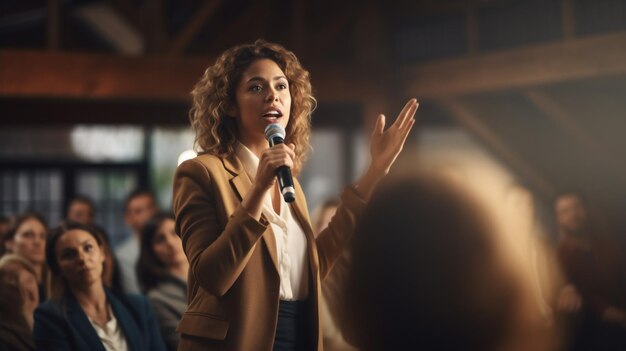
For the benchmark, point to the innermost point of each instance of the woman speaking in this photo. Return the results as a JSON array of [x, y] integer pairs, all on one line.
[[255, 265]]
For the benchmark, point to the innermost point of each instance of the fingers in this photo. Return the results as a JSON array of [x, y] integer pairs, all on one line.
[[407, 113], [379, 127], [407, 129], [279, 155], [406, 122]]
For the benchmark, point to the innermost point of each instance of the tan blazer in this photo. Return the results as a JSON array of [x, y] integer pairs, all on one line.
[[233, 278]]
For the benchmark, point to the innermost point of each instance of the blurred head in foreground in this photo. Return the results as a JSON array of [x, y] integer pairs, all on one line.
[[430, 271]]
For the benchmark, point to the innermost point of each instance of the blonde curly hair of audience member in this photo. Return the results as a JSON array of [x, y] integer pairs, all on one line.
[[214, 96]]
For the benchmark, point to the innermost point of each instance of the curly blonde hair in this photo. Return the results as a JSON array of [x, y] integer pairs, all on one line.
[[214, 95]]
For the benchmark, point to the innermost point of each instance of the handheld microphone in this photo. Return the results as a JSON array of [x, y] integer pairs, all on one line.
[[275, 134]]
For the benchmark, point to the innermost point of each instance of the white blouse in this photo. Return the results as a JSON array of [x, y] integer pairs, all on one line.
[[291, 244], [110, 334]]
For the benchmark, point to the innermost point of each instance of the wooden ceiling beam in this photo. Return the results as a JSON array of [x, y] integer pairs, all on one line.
[[39, 74], [192, 28], [537, 65], [96, 76], [231, 34], [557, 114], [429, 7], [54, 25], [468, 119]]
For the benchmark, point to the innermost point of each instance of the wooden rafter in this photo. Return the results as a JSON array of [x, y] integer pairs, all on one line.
[[95, 76], [568, 18], [192, 28], [555, 112], [54, 24], [37, 74], [525, 67], [468, 119], [154, 25], [233, 30]]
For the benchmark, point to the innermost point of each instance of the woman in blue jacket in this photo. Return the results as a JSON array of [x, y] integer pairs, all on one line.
[[82, 314]]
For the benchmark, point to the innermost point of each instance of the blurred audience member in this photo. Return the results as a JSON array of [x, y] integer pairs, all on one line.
[[162, 270], [333, 286], [594, 267], [430, 271], [82, 314], [112, 276], [5, 224], [527, 236], [139, 207], [27, 238], [81, 209], [19, 296]]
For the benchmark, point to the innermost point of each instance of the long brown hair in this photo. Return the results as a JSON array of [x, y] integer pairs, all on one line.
[[150, 270], [10, 235], [214, 95]]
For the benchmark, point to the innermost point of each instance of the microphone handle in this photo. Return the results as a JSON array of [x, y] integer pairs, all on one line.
[[283, 174]]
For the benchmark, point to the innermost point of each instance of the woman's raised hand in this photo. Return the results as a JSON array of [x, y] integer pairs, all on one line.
[[385, 145]]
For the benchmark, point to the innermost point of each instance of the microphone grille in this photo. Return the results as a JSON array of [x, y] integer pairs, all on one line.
[[273, 130]]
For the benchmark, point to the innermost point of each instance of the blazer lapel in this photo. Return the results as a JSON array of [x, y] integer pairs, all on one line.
[[241, 183], [300, 209], [127, 322], [79, 321]]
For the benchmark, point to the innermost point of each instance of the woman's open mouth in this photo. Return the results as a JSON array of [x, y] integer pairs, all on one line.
[[272, 114]]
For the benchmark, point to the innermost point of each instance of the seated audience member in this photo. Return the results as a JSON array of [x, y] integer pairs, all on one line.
[[162, 270], [139, 207], [5, 224], [594, 300], [80, 209], [332, 286], [19, 296], [27, 238], [429, 271], [81, 313]]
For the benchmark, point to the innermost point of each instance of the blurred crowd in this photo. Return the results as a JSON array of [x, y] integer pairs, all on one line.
[[430, 268]]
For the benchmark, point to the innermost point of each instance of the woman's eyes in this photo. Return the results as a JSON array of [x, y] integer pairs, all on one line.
[[31, 235], [68, 255], [258, 87], [158, 239]]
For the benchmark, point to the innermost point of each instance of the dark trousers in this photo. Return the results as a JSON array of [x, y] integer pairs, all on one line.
[[293, 330]]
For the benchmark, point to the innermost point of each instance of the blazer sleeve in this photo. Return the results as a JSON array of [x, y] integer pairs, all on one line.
[[332, 241], [50, 329], [216, 256]]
